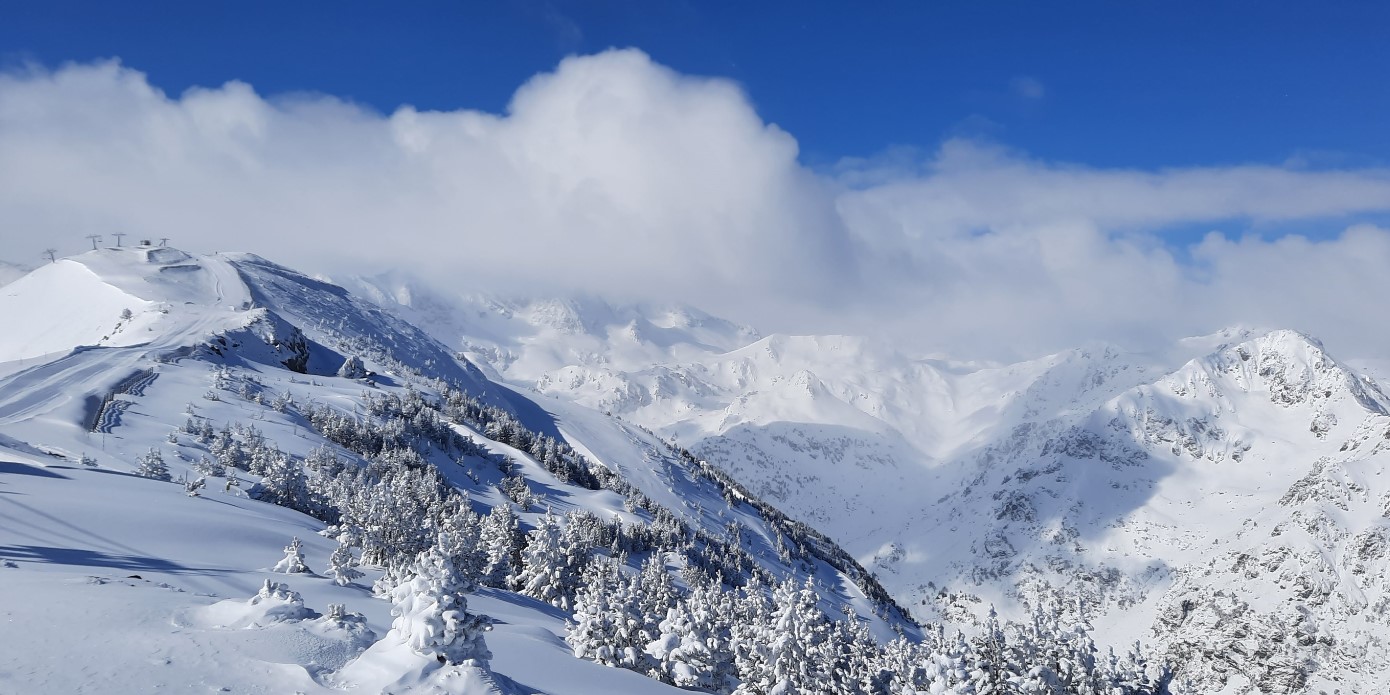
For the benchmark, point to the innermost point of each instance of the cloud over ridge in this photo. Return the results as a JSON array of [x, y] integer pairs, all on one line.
[[618, 176]]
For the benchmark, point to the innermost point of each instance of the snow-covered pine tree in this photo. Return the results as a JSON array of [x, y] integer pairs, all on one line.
[[854, 658], [499, 539], [578, 546], [283, 402], [432, 612], [655, 595], [630, 630], [342, 566], [460, 537], [990, 668], [947, 666], [232, 481], [723, 614], [516, 490], [394, 574], [751, 639], [293, 562], [546, 571], [152, 465], [226, 449], [1074, 656], [799, 635], [284, 482], [260, 458], [693, 650], [592, 631], [1132, 673], [322, 461], [207, 467], [903, 661]]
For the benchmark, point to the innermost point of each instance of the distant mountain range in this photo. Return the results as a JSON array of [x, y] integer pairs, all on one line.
[[1221, 497]]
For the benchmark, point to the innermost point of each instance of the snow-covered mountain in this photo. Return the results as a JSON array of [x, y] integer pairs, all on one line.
[[124, 369], [1221, 498]]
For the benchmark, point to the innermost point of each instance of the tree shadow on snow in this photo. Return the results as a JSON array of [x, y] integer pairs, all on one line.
[[522, 600], [94, 558], [16, 468]]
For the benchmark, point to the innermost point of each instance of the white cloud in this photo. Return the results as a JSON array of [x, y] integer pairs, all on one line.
[[617, 176]]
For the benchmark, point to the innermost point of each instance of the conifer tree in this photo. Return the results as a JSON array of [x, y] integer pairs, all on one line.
[[209, 468], [431, 612], [692, 650], [544, 567], [953, 666], [152, 465], [499, 540], [799, 635], [592, 633], [631, 631], [284, 482], [460, 537], [751, 639], [990, 670], [293, 562], [655, 595], [342, 566]]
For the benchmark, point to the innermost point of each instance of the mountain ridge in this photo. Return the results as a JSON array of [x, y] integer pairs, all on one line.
[[263, 353], [1073, 464]]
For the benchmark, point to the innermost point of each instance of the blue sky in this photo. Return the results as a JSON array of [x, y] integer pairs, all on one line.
[[1112, 84], [977, 178]]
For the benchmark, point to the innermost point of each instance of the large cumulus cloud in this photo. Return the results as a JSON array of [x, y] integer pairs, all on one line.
[[617, 176]]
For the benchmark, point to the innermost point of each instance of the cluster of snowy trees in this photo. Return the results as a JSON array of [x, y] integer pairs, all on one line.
[[764, 640], [730, 627], [391, 422], [795, 542]]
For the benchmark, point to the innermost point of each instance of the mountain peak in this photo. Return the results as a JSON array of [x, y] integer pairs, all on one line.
[[1297, 368]]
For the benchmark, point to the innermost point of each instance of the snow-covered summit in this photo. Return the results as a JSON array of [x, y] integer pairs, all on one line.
[[163, 299], [120, 297]]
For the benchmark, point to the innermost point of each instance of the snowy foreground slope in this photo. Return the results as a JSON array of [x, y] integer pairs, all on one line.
[[1222, 500], [169, 422]]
